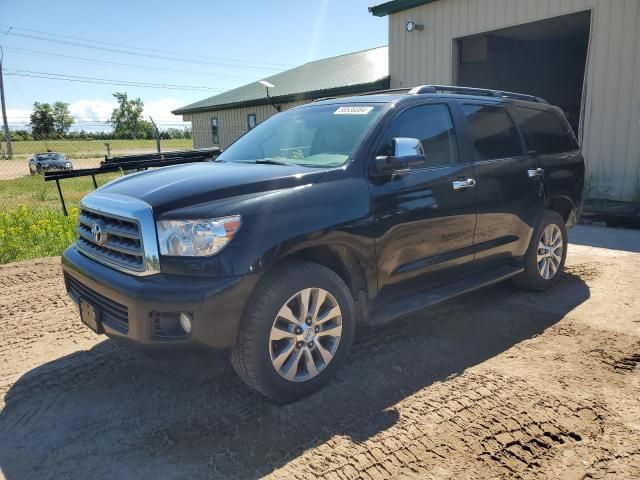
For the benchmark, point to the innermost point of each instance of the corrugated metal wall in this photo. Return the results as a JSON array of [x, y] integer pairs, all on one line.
[[611, 126], [231, 123]]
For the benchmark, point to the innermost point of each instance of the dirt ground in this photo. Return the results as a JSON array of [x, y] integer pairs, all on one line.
[[498, 383]]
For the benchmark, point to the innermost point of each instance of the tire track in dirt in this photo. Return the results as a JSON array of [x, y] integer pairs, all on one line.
[[528, 385], [499, 422]]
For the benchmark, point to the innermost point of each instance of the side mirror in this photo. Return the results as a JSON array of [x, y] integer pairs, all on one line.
[[407, 153]]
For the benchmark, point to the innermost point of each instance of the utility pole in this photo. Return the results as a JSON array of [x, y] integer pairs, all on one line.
[[7, 134], [157, 134]]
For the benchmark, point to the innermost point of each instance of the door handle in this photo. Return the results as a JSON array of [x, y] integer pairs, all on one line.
[[464, 184], [535, 172]]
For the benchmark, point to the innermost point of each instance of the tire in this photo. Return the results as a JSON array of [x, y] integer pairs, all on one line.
[[533, 277], [262, 362]]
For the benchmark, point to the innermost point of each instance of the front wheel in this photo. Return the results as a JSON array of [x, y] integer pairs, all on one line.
[[546, 255], [296, 331]]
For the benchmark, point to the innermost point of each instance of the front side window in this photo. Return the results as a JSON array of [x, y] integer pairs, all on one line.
[[433, 126], [315, 136], [214, 131], [545, 132], [493, 133]]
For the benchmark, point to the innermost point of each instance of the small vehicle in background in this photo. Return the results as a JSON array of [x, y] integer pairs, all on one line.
[[49, 161]]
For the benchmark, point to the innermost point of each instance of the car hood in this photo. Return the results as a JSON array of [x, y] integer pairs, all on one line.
[[171, 188]]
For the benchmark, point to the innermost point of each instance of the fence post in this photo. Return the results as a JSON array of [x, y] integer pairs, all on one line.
[[7, 133], [157, 134]]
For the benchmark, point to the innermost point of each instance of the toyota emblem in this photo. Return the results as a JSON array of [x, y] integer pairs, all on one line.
[[98, 234]]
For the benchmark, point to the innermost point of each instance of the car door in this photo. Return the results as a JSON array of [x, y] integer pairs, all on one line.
[[509, 196], [424, 221]]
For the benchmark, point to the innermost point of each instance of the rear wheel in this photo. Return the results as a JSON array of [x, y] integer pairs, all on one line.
[[296, 331], [546, 255]]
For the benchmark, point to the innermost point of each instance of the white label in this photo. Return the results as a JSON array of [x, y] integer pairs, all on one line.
[[353, 111]]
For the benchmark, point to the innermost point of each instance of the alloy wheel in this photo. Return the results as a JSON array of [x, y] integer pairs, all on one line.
[[550, 250], [305, 334]]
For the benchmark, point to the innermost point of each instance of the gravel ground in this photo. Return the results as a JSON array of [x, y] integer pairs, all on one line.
[[19, 168], [499, 383]]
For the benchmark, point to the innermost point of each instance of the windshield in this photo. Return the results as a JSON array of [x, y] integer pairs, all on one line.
[[316, 136], [51, 156]]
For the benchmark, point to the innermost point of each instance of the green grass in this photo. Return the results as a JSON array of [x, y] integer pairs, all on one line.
[[96, 148], [32, 224], [27, 233], [35, 193]]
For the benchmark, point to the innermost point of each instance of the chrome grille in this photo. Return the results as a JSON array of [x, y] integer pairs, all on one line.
[[123, 247]]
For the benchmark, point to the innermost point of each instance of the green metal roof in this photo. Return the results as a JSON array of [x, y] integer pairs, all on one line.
[[394, 6], [351, 73]]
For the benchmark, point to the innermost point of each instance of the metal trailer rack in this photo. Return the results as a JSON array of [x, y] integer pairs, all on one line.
[[132, 162]]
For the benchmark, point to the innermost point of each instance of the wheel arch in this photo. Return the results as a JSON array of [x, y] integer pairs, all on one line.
[[565, 207], [345, 263]]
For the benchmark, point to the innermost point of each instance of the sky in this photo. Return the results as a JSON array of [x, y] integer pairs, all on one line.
[[198, 47]]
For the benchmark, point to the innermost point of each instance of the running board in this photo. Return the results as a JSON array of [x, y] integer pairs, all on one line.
[[415, 303]]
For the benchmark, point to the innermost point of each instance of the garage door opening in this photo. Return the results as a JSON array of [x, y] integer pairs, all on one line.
[[545, 58]]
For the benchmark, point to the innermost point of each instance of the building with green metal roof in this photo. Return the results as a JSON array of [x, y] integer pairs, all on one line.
[[221, 119]]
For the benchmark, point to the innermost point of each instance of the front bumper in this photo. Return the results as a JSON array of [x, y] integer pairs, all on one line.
[[129, 305]]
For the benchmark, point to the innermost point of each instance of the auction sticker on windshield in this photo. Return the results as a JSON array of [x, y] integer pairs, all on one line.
[[353, 110]]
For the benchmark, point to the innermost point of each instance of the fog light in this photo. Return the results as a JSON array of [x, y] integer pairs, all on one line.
[[185, 322]]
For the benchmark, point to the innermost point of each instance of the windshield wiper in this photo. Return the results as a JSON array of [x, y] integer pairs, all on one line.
[[270, 161]]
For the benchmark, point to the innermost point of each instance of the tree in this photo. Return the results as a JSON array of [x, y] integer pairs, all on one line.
[[126, 118], [42, 120], [62, 119]]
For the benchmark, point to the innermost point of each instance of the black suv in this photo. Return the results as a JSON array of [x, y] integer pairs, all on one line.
[[343, 212]]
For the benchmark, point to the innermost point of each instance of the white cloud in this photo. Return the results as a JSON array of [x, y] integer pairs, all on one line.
[[160, 110], [89, 114], [18, 117], [91, 110]]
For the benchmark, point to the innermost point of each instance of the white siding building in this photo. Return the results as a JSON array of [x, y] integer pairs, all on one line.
[[583, 55]]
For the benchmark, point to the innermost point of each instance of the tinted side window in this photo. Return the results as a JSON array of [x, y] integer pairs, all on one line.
[[433, 126], [546, 132], [493, 133]]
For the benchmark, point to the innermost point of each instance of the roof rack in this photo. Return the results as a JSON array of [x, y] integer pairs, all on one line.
[[375, 92], [388, 90], [424, 89]]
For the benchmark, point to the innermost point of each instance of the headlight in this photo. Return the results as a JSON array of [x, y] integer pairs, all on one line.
[[196, 238], [68, 164]]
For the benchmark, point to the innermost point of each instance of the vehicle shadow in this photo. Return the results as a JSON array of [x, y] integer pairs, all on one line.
[[603, 237], [108, 412]]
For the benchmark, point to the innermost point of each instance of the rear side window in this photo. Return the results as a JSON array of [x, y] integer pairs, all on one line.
[[545, 132], [493, 133], [433, 126]]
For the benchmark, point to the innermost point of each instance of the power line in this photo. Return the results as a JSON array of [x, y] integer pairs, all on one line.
[[149, 55], [102, 42], [129, 65], [106, 81]]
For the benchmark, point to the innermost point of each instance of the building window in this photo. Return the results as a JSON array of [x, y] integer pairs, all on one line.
[[214, 131], [251, 120]]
